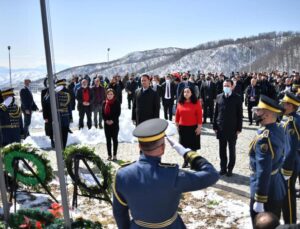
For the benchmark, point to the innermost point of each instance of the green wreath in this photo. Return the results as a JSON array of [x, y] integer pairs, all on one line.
[[42, 165], [33, 216], [88, 154], [79, 223]]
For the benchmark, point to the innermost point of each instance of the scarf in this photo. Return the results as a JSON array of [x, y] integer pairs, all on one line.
[[108, 104]]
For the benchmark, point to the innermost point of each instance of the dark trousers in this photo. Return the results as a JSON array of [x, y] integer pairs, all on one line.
[[250, 106], [273, 206], [82, 111], [98, 111], [289, 208], [208, 107], [27, 122], [64, 135], [223, 155], [129, 99], [111, 133], [168, 108]]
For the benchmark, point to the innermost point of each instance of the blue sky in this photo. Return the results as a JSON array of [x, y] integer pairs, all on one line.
[[82, 30]]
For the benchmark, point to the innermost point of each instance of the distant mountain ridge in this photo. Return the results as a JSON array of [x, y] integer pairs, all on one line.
[[264, 52]]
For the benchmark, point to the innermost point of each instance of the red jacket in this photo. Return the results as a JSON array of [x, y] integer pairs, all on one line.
[[189, 114]]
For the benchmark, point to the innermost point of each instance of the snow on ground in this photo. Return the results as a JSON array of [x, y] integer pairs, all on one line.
[[85, 136]]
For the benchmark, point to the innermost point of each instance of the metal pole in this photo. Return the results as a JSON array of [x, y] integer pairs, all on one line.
[[3, 192], [8, 47], [57, 135], [108, 54], [250, 59]]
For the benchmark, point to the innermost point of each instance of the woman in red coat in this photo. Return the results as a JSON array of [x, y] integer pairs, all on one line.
[[189, 119]]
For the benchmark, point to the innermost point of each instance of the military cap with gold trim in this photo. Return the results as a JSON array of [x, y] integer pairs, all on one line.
[[291, 98], [8, 92], [61, 82], [151, 130], [269, 104]]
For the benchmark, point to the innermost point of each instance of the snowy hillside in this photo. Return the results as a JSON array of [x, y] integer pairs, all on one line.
[[267, 51]]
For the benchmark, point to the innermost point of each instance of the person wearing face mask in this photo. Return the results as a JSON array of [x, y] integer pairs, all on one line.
[[227, 125], [11, 124], [84, 97], [184, 83], [168, 89], [291, 164], [267, 185]]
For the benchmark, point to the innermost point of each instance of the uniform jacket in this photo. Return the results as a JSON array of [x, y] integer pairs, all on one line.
[[228, 116], [46, 106], [151, 190], [146, 105], [266, 158], [64, 99], [27, 102], [11, 125], [292, 145]]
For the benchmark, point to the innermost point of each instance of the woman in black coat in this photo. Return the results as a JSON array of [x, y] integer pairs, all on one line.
[[111, 111]]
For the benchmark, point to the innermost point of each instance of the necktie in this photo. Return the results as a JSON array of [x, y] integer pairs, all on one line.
[[168, 91]]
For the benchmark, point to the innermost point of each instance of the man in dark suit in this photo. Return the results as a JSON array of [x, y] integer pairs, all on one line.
[[207, 97], [84, 97], [46, 108], [27, 105], [227, 125], [131, 86], [168, 89], [252, 98], [146, 102]]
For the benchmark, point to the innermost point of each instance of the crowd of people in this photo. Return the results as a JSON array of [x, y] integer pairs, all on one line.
[[193, 100]]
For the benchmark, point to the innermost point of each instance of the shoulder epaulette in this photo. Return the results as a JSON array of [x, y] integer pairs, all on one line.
[[167, 165], [3, 107], [265, 134], [291, 118], [126, 164]]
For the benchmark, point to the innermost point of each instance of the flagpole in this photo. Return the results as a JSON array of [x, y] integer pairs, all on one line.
[[57, 134]]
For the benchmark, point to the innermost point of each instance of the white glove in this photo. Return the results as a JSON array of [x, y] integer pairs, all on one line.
[[287, 177], [258, 207], [178, 147]]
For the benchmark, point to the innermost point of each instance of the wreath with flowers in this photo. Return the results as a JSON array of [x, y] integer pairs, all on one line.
[[51, 219], [71, 154], [36, 160]]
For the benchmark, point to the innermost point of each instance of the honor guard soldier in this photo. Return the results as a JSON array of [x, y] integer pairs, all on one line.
[[11, 125], [267, 185], [291, 164], [150, 189], [63, 99]]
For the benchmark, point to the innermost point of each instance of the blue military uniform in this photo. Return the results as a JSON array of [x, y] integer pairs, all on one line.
[[266, 153], [291, 164], [63, 108], [11, 125], [151, 190]]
